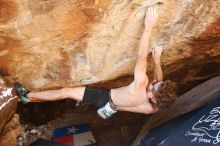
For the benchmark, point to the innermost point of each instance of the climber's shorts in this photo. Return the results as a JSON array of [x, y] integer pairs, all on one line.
[[96, 96]]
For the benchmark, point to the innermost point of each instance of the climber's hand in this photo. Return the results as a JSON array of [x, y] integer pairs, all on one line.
[[156, 53], [151, 17]]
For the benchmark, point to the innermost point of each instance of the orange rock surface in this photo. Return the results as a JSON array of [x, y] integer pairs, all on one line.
[[49, 43]]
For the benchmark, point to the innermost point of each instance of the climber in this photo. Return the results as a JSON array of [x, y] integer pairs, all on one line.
[[139, 96]]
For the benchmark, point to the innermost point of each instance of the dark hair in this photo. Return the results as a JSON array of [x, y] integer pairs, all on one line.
[[167, 93]]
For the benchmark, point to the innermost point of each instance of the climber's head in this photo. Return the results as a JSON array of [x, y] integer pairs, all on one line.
[[163, 90]]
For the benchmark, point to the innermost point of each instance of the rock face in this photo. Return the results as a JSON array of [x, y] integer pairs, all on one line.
[[50, 43], [11, 130], [9, 122], [8, 104]]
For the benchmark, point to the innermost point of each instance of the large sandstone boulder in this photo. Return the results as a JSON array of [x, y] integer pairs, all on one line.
[[52, 43]]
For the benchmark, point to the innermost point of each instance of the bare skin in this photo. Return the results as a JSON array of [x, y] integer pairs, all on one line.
[[136, 96]]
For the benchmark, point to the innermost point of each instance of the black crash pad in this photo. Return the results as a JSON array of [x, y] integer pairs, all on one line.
[[200, 127]]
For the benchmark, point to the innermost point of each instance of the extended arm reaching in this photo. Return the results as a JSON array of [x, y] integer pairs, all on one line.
[[141, 62]]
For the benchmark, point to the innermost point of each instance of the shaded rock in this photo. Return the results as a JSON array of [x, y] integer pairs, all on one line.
[[39, 113], [11, 131], [50, 44], [9, 122], [8, 104], [129, 132], [106, 132]]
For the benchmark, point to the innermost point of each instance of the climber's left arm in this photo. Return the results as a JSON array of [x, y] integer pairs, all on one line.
[[140, 77], [156, 55]]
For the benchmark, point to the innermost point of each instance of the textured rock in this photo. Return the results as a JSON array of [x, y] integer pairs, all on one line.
[[11, 130], [49, 43], [9, 122], [8, 104], [106, 133]]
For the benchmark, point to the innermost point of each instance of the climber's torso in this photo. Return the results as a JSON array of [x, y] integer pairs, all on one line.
[[130, 95]]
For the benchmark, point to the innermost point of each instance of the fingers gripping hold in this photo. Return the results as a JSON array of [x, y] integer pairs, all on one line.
[[157, 50], [151, 16]]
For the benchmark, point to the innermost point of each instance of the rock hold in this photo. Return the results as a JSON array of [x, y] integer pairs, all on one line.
[[49, 44]]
